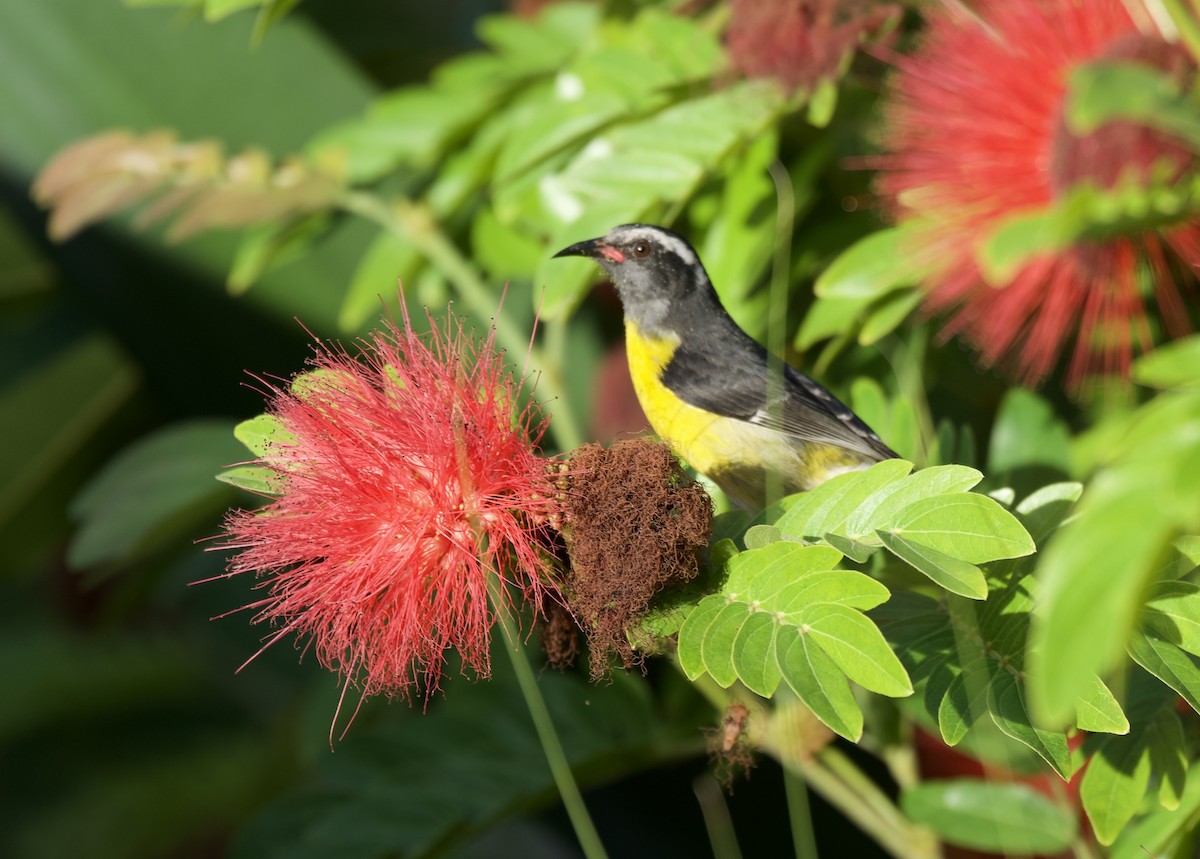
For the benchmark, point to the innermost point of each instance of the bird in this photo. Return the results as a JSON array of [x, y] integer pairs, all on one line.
[[757, 428]]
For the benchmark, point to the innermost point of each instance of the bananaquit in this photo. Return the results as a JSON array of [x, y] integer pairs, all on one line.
[[705, 384]]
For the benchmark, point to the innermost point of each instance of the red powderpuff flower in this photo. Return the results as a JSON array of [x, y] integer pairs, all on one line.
[[799, 42], [974, 125], [406, 482]]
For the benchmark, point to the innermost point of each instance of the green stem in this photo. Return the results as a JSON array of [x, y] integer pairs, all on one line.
[[891, 830], [717, 821], [785, 207], [834, 777], [799, 815], [858, 781], [568, 433], [901, 760], [1083, 849], [564, 779], [414, 224], [1186, 24]]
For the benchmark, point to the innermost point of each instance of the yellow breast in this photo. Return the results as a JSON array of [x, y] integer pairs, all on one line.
[[748, 461]]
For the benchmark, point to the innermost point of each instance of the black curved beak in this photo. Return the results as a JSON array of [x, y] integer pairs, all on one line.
[[589, 249]]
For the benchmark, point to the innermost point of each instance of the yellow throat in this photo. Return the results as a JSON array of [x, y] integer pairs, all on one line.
[[743, 458]]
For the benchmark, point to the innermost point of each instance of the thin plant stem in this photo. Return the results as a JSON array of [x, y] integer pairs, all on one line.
[[1083, 849], [717, 821], [415, 224], [564, 779], [785, 207], [901, 760], [554, 359], [859, 782], [804, 840], [891, 831], [1187, 24], [849, 790]]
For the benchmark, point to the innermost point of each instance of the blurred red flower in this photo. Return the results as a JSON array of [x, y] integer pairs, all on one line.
[[410, 477], [975, 134], [799, 42]]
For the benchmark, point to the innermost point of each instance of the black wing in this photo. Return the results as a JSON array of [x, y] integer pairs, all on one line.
[[794, 404]]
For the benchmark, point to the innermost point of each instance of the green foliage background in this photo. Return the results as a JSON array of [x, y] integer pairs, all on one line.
[[456, 153]]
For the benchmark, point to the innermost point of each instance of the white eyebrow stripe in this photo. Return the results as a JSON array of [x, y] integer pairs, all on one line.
[[672, 243]]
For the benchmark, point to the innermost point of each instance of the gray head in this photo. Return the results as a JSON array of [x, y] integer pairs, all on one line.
[[656, 272]]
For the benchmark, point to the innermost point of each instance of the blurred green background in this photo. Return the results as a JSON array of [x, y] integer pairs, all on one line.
[[124, 729]]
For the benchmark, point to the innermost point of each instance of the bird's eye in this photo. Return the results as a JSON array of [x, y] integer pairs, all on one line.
[[642, 249]]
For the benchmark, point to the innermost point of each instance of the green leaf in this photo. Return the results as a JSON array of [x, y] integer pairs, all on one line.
[[998, 817], [544, 42], [1006, 702], [896, 416], [751, 655], [1044, 509], [1098, 711], [1171, 365], [821, 685], [262, 433], [1089, 580], [1083, 212], [737, 244], [640, 167], [1184, 558], [1028, 433], [1113, 786], [828, 317], [1133, 92], [502, 250], [411, 126], [886, 314], [758, 536], [693, 633], [919, 632], [857, 647], [253, 478], [271, 13], [1172, 612], [784, 614], [70, 388], [825, 508], [966, 526], [1179, 670], [1158, 832], [388, 265], [689, 46], [717, 649], [777, 563], [215, 10], [837, 587], [871, 267], [153, 489], [1168, 757], [883, 506], [959, 577], [273, 245], [663, 157], [959, 709], [822, 102], [550, 125]]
